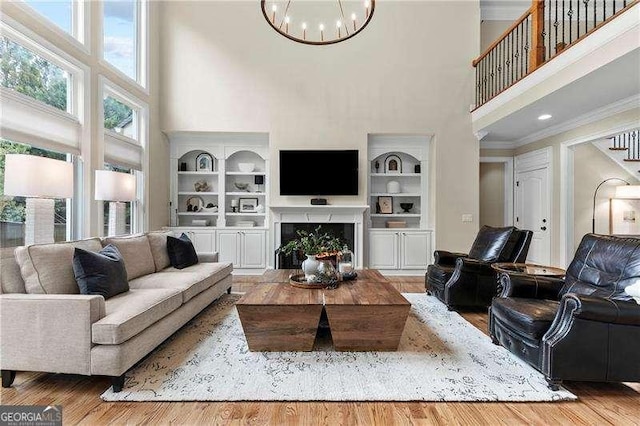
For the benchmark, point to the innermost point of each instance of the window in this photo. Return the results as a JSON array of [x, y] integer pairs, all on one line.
[[120, 118], [12, 209], [30, 74], [60, 12], [120, 38]]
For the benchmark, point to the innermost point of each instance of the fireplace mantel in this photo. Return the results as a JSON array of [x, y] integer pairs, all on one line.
[[321, 214]]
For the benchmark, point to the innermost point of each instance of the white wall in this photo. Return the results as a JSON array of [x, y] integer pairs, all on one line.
[[224, 69], [492, 194]]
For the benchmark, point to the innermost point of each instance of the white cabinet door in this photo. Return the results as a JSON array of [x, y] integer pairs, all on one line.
[[203, 241], [252, 254], [229, 247], [415, 250], [383, 250]]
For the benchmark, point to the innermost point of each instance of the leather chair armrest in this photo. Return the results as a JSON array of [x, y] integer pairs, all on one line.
[[528, 286], [447, 258], [604, 310], [474, 266]]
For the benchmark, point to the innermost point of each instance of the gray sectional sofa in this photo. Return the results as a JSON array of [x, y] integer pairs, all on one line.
[[46, 325]]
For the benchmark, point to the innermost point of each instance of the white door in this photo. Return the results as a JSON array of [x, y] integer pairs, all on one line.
[[415, 250], [252, 254], [229, 247], [203, 241], [383, 250], [533, 212]]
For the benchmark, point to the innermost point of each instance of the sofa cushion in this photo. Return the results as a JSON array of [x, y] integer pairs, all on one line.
[[48, 268], [190, 281], [158, 244], [136, 252], [10, 279], [128, 314], [530, 318], [101, 273], [489, 243]]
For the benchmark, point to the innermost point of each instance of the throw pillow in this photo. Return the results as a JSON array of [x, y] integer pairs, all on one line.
[[489, 243], [181, 252], [634, 291], [102, 273]]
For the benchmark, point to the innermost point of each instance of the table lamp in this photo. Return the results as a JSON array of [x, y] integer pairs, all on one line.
[[117, 188], [40, 180]]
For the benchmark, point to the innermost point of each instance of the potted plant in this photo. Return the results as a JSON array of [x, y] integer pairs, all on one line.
[[312, 244]]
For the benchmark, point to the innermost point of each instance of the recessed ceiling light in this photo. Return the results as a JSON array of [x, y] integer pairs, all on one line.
[[544, 117]]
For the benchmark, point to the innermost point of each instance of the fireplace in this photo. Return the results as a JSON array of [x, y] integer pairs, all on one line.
[[348, 219], [288, 232]]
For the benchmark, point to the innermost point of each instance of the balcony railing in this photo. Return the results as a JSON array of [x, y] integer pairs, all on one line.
[[544, 31]]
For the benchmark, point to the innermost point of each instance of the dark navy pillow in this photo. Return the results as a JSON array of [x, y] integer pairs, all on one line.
[[102, 273], [181, 252]]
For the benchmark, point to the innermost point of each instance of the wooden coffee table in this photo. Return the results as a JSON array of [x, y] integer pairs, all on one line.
[[368, 314]]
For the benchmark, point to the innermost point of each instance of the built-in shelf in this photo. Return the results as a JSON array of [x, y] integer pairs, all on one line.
[[245, 173], [395, 174], [196, 193], [399, 194], [199, 173], [396, 215], [240, 194], [246, 214], [197, 214]]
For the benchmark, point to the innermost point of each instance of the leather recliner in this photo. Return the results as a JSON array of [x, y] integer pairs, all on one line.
[[583, 327], [467, 280]]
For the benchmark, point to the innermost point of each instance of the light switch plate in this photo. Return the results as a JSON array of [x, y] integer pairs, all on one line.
[[467, 218]]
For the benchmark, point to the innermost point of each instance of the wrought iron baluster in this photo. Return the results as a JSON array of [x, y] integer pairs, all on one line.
[[549, 27], [563, 19], [556, 24], [578, 19], [586, 16], [570, 13], [527, 46]]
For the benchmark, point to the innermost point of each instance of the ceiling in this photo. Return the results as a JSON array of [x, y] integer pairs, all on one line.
[[611, 83]]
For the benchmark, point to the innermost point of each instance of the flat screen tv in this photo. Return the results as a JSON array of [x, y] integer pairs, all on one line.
[[319, 172]]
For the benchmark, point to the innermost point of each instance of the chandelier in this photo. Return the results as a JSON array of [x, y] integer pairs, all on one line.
[[318, 22]]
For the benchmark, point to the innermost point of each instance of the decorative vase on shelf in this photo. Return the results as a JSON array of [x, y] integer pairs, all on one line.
[[310, 265], [393, 187]]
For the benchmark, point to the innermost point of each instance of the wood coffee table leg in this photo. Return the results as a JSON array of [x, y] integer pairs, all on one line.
[[367, 327], [280, 328]]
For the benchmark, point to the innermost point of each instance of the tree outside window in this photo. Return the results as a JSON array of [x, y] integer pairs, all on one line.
[[27, 73]]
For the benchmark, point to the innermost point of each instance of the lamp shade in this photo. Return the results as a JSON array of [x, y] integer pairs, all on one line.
[[628, 191], [37, 177], [115, 186]]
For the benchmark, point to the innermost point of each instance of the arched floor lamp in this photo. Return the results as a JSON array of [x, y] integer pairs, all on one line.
[[626, 191]]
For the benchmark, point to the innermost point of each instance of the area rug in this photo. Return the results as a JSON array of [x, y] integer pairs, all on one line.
[[441, 358]]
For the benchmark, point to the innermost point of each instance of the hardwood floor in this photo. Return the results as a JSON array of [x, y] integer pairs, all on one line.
[[598, 404]]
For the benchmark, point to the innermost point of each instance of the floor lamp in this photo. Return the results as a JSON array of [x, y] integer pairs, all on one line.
[[117, 188], [626, 191], [40, 180]]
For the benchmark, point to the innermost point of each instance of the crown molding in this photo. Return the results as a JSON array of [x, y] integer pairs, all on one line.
[[497, 145], [588, 118]]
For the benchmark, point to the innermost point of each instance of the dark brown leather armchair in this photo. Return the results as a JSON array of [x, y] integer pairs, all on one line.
[[467, 280], [583, 327]]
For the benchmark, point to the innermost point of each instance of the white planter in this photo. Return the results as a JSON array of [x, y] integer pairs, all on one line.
[[310, 265]]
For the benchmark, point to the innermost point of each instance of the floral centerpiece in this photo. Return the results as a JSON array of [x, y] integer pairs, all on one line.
[[316, 245]]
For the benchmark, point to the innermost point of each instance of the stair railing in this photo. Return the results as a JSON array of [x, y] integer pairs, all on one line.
[[546, 29]]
